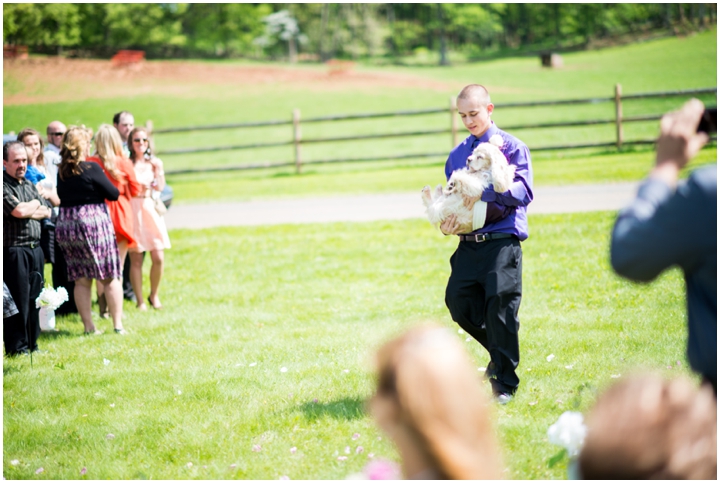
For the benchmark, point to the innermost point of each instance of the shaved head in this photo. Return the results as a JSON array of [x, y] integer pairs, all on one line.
[[475, 91]]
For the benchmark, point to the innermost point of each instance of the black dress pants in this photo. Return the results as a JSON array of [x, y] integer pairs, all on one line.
[[60, 279], [483, 295], [23, 274]]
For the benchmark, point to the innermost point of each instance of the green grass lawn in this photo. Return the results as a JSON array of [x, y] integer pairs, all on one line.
[[193, 388]]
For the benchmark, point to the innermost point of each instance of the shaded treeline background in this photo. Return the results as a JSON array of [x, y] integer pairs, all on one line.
[[318, 32]]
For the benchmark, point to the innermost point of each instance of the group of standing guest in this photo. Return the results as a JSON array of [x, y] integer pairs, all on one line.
[[101, 207]]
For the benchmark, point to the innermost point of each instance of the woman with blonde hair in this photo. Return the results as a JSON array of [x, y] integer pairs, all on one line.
[[430, 402], [150, 232], [119, 170], [84, 229]]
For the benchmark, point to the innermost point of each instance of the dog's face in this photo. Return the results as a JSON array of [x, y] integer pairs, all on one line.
[[481, 158]]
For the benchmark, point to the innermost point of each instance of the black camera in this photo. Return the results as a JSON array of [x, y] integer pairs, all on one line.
[[708, 121]]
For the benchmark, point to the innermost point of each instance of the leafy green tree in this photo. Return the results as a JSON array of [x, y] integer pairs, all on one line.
[[42, 24]]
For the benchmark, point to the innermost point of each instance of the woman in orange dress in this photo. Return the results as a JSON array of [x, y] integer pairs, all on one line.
[[150, 231], [119, 170]]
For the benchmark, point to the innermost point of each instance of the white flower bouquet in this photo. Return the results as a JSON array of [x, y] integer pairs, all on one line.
[[569, 432], [48, 301]]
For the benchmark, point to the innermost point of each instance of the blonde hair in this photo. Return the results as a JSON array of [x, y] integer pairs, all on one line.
[[32, 132], [108, 146], [426, 376], [646, 427], [73, 151]]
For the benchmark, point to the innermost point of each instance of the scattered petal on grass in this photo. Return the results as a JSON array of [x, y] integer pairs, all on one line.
[[112, 405], [468, 339], [189, 465], [284, 477], [252, 364], [179, 392], [83, 471], [356, 436], [371, 455], [460, 331], [669, 367], [570, 366], [283, 369], [110, 436], [615, 376], [678, 363], [342, 458], [533, 403], [39, 470], [293, 450], [559, 401], [346, 371], [379, 438], [347, 449], [204, 467], [238, 365], [233, 466], [256, 448], [315, 400], [84, 415], [550, 357], [15, 462], [359, 450], [106, 362]]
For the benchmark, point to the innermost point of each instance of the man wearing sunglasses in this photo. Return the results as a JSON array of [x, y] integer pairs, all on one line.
[[55, 132]]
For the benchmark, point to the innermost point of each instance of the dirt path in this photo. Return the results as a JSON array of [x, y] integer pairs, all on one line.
[[392, 206]]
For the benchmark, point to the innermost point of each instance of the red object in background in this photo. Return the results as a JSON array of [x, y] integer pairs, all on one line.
[[15, 52], [128, 57]]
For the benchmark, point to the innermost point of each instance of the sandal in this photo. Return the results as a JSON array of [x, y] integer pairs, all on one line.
[[156, 307], [94, 332], [120, 331]]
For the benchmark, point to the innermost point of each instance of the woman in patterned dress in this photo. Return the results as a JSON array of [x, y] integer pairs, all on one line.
[[84, 229], [150, 232]]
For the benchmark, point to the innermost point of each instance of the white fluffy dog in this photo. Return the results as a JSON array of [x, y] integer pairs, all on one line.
[[486, 165]]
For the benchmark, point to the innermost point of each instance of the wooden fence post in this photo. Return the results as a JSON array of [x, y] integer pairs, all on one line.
[[151, 140], [618, 115], [296, 138], [453, 121]]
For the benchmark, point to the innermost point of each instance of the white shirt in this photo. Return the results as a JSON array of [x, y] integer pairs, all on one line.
[[51, 148]]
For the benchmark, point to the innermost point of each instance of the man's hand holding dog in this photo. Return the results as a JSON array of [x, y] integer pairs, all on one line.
[[451, 226]]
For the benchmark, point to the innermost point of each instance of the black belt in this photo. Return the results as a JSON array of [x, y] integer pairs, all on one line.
[[481, 237]]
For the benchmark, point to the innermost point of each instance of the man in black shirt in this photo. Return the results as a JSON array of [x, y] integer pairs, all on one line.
[[23, 259]]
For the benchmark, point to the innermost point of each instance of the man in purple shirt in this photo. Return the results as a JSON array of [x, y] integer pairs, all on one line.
[[485, 286]]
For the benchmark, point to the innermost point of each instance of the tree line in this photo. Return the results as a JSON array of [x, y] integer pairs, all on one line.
[[342, 30]]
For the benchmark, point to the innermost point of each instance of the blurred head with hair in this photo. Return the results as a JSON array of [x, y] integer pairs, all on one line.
[[34, 144], [430, 401], [646, 427], [75, 148], [108, 146]]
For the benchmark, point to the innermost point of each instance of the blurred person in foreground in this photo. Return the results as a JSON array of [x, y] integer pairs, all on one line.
[[430, 402], [23, 259], [671, 223], [84, 229], [646, 427], [150, 232], [119, 170]]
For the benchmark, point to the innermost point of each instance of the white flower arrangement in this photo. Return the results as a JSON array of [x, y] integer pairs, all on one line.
[[569, 432], [51, 299]]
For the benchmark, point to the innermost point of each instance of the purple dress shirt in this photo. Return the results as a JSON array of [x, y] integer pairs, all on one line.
[[516, 198]]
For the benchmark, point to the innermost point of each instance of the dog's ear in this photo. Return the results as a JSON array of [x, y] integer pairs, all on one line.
[[496, 140]]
